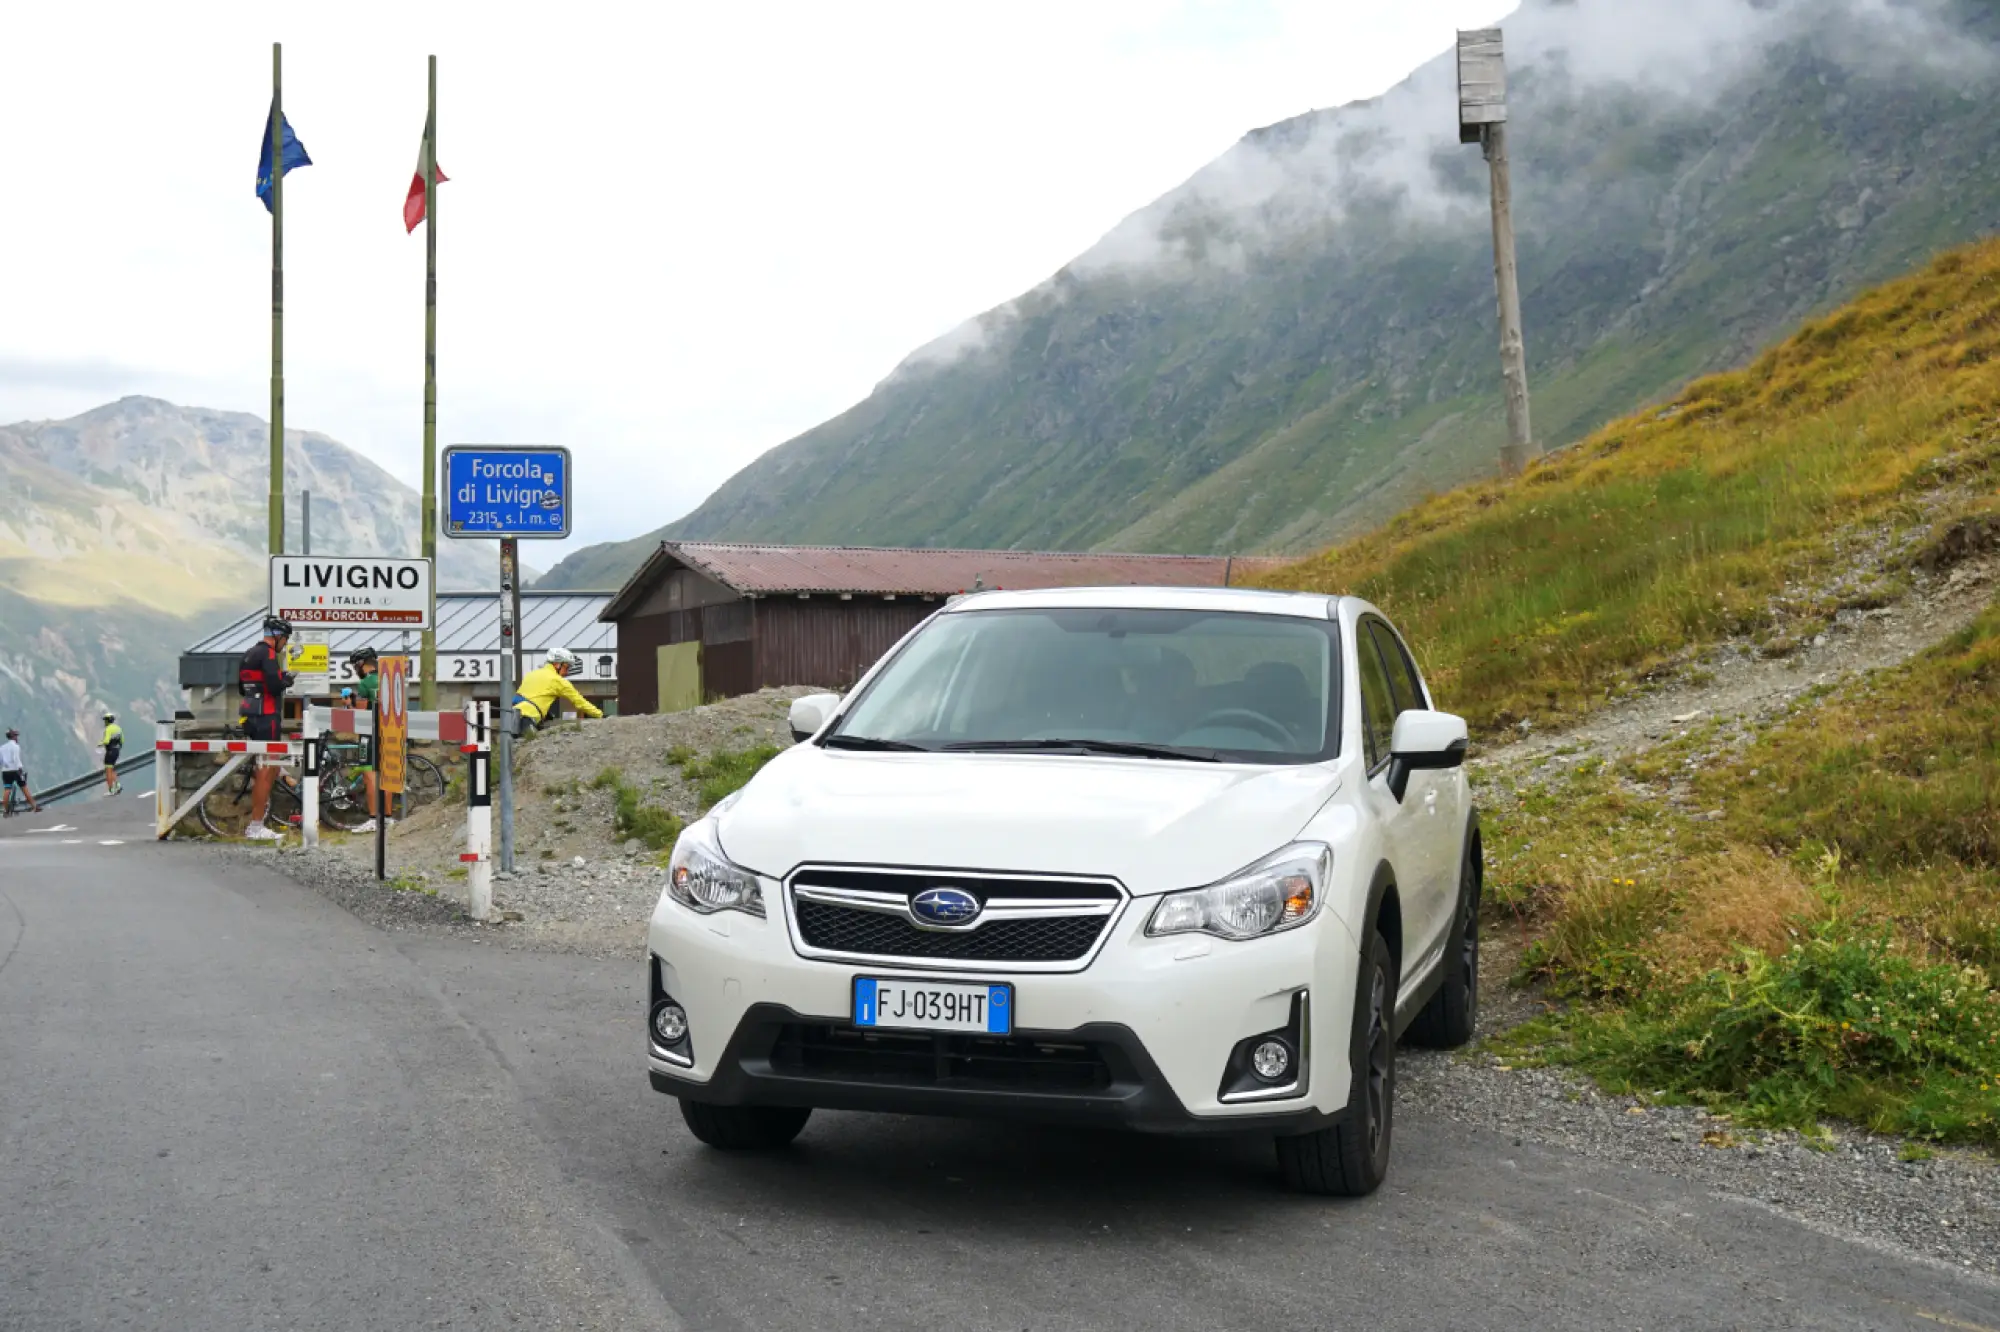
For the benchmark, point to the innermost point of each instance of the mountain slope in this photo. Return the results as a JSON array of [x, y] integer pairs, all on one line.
[[1760, 506], [129, 530], [1300, 340]]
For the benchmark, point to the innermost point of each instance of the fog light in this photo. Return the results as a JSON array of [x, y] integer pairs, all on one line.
[[1271, 1060], [670, 1023]]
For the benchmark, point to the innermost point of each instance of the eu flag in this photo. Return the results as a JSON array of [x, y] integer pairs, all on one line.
[[295, 156]]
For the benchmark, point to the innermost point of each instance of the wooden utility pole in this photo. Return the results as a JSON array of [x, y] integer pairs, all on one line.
[[276, 130], [1482, 119], [427, 687]]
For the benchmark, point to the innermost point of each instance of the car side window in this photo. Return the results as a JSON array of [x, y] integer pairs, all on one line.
[[1378, 705], [1403, 686]]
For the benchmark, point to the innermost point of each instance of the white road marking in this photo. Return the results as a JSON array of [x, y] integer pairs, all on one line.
[[111, 841], [60, 827], [72, 841], [146, 795]]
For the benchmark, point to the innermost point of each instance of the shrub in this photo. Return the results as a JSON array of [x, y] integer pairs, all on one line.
[[632, 817], [721, 773], [1845, 1022]]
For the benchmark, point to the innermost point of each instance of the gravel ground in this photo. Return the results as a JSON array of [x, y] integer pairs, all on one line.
[[577, 888]]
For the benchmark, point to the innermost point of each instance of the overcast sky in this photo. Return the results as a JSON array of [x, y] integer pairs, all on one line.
[[674, 236]]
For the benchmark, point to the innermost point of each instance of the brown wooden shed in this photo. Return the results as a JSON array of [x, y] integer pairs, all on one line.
[[821, 615]]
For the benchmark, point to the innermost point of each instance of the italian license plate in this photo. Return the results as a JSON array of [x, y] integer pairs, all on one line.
[[919, 1005]]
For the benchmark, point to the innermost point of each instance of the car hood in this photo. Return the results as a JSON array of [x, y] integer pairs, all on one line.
[[1153, 825]]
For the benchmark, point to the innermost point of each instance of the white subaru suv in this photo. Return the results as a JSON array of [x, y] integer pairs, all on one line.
[[1176, 860]]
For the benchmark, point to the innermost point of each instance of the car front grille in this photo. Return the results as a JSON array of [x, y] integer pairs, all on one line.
[[913, 1059], [1025, 921]]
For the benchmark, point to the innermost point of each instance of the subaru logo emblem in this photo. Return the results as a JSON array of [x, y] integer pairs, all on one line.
[[945, 906]]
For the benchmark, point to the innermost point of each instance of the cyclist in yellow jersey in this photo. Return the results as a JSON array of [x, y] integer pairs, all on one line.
[[543, 690], [114, 741]]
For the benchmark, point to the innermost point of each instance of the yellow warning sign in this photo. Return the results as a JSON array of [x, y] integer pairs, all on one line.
[[392, 737], [308, 658]]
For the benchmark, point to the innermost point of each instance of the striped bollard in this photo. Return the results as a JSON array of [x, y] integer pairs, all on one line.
[[309, 782], [478, 855], [163, 777]]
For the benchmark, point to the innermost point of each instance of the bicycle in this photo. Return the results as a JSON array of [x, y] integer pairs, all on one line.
[[343, 795]]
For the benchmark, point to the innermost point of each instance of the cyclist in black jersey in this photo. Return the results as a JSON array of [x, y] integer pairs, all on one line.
[[263, 679]]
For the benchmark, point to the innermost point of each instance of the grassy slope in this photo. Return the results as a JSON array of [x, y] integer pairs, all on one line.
[[1714, 515], [1826, 946]]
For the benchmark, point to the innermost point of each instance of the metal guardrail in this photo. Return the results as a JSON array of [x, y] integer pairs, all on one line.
[[77, 786]]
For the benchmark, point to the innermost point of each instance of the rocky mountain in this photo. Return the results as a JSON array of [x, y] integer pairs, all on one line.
[[128, 531], [1300, 340]]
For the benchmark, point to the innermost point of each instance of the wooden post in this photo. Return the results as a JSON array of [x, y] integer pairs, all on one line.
[[277, 129], [1482, 119], [427, 687]]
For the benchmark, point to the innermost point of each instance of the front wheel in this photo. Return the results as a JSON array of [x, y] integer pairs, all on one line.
[[744, 1127], [1350, 1159]]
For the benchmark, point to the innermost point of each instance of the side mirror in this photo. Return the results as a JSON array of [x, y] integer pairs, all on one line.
[[811, 712], [1424, 741]]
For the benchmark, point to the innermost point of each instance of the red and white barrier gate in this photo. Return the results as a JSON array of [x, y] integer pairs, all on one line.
[[471, 730], [165, 746]]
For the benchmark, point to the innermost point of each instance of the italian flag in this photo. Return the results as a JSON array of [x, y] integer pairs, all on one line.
[[413, 203]]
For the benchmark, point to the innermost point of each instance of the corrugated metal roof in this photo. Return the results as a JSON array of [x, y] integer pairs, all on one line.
[[466, 622], [914, 571]]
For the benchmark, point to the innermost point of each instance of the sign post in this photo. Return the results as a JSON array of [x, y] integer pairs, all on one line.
[[1482, 119], [509, 492], [392, 742]]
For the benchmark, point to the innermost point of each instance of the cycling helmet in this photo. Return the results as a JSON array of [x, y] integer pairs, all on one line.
[[277, 626], [362, 655], [111, 716], [13, 734], [565, 658]]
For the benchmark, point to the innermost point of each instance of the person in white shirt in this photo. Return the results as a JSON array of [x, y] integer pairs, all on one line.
[[14, 772]]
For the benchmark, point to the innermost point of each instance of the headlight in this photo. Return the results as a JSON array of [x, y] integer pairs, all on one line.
[[702, 879], [1278, 892]]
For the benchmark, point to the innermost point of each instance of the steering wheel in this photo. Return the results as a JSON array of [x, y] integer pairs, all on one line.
[[1257, 721]]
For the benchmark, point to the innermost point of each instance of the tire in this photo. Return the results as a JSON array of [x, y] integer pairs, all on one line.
[[225, 811], [343, 801], [423, 784], [1446, 1022], [1350, 1159], [737, 1128]]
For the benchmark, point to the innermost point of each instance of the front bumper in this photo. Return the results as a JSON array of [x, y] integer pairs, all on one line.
[[1140, 1039], [771, 1061]]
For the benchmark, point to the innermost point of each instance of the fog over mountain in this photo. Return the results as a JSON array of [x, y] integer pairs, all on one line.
[[1300, 338]]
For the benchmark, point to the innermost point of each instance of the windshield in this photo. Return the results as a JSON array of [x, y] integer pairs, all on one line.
[[1199, 684]]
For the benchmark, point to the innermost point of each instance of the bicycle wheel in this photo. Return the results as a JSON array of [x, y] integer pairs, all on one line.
[[225, 811], [343, 800], [423, 784]]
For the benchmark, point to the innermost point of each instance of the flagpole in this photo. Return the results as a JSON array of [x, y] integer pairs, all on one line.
[[427, 689], [277, 129]]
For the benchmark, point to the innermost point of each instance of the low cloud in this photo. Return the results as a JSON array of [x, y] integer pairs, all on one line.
[[1313, 172]]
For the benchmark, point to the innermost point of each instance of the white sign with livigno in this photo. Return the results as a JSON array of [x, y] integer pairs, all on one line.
[[331, 591]]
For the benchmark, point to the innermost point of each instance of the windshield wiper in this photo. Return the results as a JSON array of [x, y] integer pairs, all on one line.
[[872, 742], [1123, 748]]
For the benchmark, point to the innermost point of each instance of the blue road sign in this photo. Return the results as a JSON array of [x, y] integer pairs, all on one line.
[[506, 491]]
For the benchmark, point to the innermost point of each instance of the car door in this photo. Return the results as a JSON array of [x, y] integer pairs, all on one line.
[[1435, 800], [1403, 822]]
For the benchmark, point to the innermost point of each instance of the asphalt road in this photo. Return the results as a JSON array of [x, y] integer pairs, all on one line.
[[225, 1103]]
